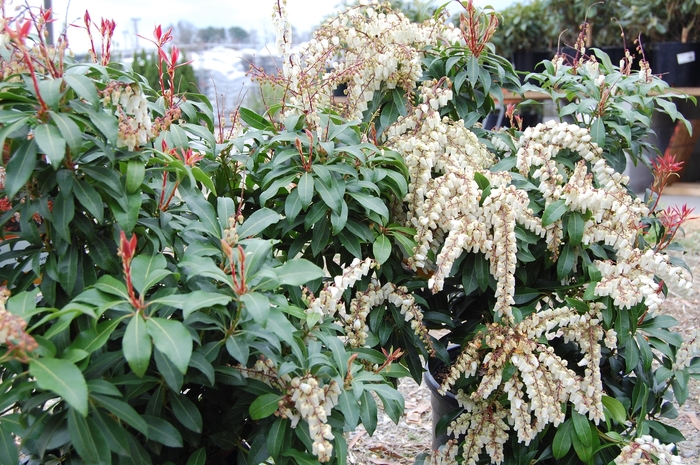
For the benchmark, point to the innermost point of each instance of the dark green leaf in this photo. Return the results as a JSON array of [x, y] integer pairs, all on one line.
[[8, 448], [137, 345], [254, 120], [172, 339], [264, 406], [135, 173], [615, 409], [256, 305], [368, 412], [553, 212], [575, 228], [257, 222], [306, 189], [562, 440], [88, 439], [238, 348], [50, 141], [147, 271], [598, 132], [69, 130], [566, 261], [371, 203], [123, 411], [161, 431], [89, 198], [348, 406], [206, 214], [63, 378], [298, 272], [186, 412], [83, 87], [381, 249], [198, 457], [275, 437], [20, 167]]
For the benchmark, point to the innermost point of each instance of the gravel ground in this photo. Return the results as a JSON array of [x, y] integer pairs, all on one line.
[[400, 444]]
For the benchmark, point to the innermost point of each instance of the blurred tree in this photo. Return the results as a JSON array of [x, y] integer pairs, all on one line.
[[147, 66], [238, 34], [212, 35], [184, 32]]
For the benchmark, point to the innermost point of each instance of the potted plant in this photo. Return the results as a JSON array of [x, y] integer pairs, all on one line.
[[151, 319], [673, 28], [526, 34], [197, 279]]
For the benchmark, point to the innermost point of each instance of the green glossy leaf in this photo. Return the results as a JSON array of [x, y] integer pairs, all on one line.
[[198, 457], [8, 448], [257, 222], [615, 409], [254, 120], [206, 214], [368, 412], [306, 189], [553, 212], [348, 406], [381, 249], [598, 132], [123, 411], [63, 378], [147, 271], [566, 261], [186, 412], [275, 437], [292, 206], [89, 198], [298, 271], [83, 87], [371, 203], [197, 300], [329, 196], [582, 429], [88, 440], [264, 406], [575, 228], [50, 141], [256, 305], [562, 440], [69, 130], [160, 430], [116, 436], [106, 124], [137, 345], [172, 339], [93, 339], [20, 167], [238, 348], [170, 373], [135, 173]]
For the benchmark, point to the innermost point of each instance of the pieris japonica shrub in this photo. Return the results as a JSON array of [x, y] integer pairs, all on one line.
[[177, 292]]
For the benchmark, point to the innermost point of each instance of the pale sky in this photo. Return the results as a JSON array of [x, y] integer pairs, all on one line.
[[248, 14]]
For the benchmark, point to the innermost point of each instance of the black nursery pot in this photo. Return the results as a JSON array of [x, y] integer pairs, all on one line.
[[677, 63], [440, 404]]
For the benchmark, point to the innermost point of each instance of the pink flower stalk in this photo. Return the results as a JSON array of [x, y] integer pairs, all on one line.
[[672, 219], [127, 250]]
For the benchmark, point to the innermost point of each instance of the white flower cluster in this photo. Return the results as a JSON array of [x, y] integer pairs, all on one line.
[[541, 383], [355, 321], [283, 28], [329, 302], [304, 399], [647, 450], [442, 157], [687, 351], [131, 108], [445, 455], [377, 47], [483, 425]]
